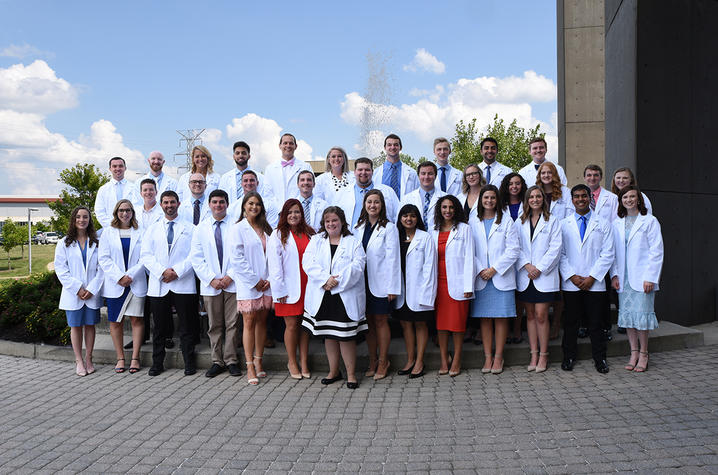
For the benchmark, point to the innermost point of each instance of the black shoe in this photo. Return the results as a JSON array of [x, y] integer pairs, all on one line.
[[567, 364], [607, 335], [621, 330], [331, 380], [416, 375], [190, 370], [352, 385], [128, 345], [169, 343], [214, 370], [404, 372], [234, 370], [601, 366], [155, 370], [583, 332]]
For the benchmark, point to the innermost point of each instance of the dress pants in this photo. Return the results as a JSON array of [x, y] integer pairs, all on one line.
[[222, 314], [187, 319], [589, 307]]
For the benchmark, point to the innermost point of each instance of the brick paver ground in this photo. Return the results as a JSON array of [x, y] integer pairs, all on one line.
[[556, 422]]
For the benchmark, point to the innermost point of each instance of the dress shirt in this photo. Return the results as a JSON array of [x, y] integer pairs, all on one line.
[[359, 193]]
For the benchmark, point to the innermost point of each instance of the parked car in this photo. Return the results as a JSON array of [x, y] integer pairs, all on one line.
[[51, 238]]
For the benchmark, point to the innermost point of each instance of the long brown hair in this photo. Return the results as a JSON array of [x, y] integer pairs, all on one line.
[[465, 184], [262, 217], [285, 228], [555, 180], [459, 216], [527, 209], [364, 215], [622, 211], [116, 223], [499, 203], [72, 229]]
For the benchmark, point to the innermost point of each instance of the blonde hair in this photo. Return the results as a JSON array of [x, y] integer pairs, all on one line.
[[205, 151]]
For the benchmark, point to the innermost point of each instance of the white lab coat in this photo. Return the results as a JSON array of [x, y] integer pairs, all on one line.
[[166, 183], [462, 199], [606, 206], [459, 258], [416, 198], [346, 201], [498, 172], [408, 181], [73, 275], [156, 258], [185, 194], [112, 261], [275, 183], [204, 257], [271, 210], [543, 251], [418, 283], [507, 211], [324, 186], [454, 179], [284, 268], [644, 255], [383, 259], [316, 209], [106, 199], [248, 260], [186, 209], [147, 219], [594, 256], [348, 267], [529, 173], [499, 250], [563, 206]]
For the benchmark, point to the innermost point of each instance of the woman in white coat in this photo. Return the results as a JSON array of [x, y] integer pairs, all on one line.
[[288, 281], [471, 185], [538, 278], [415, 304], [201, 163], [496, 248], [77, 270], [623, 177], [336, 177], [119, 257], [455, 279], [380, 241], [636, 271], [334, 305], [249, 260]]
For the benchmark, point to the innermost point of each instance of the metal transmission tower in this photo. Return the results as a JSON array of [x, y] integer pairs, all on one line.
[[190, 137]]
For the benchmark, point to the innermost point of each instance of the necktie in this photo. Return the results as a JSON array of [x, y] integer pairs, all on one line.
[[170, 235], [288, 163], [195, 216], [427, 198], [536, 166], [582, 227], [218, 242], [442, 180], [592, 202], [488, 174], [240, 191], [118, 191], [306, 204], [394, 178]]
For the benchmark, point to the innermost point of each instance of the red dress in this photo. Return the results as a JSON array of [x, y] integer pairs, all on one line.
[[297, 308], [450, 314]]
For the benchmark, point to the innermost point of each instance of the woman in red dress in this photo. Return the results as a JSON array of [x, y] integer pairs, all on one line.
[[455, 247], [288, 281]]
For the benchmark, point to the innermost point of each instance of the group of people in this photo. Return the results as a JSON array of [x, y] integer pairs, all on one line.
[[338, 255]]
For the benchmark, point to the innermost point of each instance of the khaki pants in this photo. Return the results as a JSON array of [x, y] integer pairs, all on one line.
[[222, 315]]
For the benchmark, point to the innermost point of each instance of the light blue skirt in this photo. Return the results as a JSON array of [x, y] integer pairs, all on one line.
[[493, 303], [635, 309]]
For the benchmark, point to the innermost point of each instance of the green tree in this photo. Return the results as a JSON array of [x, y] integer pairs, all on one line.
[[513, 143], [405, 158], [81, 184], [10, 238]]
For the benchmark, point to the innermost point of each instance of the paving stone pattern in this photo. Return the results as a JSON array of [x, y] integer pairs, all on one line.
[[517, 422]]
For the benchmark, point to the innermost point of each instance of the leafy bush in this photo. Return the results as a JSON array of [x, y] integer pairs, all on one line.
[[28, 310]]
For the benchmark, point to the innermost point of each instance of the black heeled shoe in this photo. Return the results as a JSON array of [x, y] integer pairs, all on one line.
[[352, 384], [327, 381]]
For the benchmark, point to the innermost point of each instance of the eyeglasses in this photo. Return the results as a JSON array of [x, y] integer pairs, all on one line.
[[196, 182], [124, 210], [472, 174]]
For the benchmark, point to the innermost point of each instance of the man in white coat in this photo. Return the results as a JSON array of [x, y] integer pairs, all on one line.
[[231, 182], [166, 255], [196, 209], [150, 211], [351, 198], [448, 178], [271, 208], [586, 258], [426, 196], [398, 176], [537, 149], [313, 205], [281, 177], [493, 171], [113, 191], [210, 260], [164, 182]]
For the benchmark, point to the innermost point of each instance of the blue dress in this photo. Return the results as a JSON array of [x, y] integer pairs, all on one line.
[[114, 305], [635, 308], [491, 302]]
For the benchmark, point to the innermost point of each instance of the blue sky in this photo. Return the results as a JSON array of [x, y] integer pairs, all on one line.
[[83, 81]]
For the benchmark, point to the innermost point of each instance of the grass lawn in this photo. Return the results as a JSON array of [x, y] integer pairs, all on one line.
[[42, 254]]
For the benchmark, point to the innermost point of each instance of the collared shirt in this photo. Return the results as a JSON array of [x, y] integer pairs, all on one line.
[[578, 218], [359, 193], [386, 174], [596, 193], [165, 224], [149, 217]]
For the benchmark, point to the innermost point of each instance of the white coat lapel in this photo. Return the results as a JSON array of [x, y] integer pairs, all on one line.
[[601, 200], [378, 231], [134, 237], [452, 235], [640, 221], [90, 250], [494, 227], [539, 226], [592, 223]]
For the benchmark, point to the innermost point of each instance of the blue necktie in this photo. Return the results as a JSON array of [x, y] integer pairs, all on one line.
[[394, 178], [442, 180], [427, 198], [582, 227], [170, 235], [218, 242], [240, 190], [306, 205], [488, 174]]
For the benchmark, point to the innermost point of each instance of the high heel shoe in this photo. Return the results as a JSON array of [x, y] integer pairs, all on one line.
[[629, 366], [260, 374], [120, 369], [541, 369], [644, 368], [531, 367], [294, 375], [378, 375], [500, 369], [251, 381], [489, 360], [371, 370], [134, 369], [80, 368]]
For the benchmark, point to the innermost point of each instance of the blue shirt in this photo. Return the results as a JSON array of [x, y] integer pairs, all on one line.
[[359, 193], [386, 175], [578, 217]]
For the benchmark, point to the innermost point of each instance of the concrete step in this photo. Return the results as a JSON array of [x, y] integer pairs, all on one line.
[[669, 336]]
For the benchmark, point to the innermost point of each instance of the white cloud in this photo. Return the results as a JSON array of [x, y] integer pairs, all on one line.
[[24, 50], [35, 88], [425, 61]]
